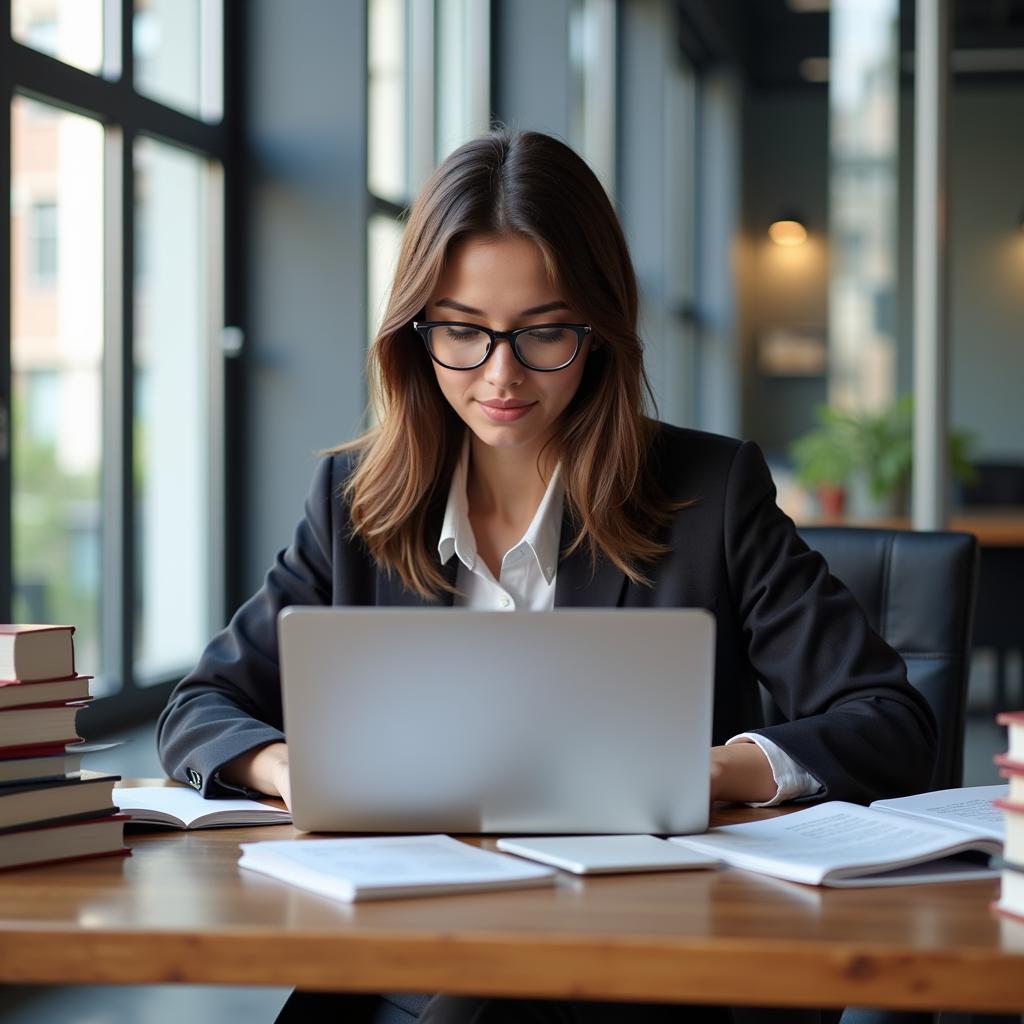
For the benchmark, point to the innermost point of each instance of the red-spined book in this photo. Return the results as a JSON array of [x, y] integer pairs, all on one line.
[[32, 652], [71, 840], [1014, 722], [43, 691], [38, 730]]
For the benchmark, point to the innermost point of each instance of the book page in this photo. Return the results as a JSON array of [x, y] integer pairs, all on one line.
[[806, 845], [970, 808], [186, 807]]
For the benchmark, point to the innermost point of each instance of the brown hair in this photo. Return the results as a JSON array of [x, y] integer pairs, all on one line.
[[529, 184]]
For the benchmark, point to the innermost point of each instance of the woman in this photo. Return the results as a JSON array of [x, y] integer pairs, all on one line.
[[514, 467]]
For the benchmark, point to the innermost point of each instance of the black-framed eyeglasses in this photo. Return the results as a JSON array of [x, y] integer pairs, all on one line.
[[462, 346]]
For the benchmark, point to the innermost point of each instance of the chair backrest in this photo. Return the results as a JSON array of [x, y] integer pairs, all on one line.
[[917, 590], [995, 483]]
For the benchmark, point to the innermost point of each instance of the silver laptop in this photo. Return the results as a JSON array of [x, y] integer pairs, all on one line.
[[448, 720]]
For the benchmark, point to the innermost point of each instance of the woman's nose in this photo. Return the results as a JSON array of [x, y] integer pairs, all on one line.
[[503, 369]]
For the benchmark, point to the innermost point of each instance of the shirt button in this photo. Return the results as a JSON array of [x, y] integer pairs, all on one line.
[[505, 602]]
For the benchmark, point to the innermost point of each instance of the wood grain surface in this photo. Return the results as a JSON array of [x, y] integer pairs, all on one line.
[[994, 526], [179, 909]]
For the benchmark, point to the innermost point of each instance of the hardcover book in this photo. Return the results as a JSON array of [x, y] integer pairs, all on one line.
[[1011, 893], [1014, 722], [64, 764], [71, 840], [44, 691], [31, 652], [24, 731], [87, 796], [1014, 774]]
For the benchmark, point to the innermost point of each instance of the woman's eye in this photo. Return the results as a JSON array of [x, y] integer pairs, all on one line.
[[457, 335], [554, 335]]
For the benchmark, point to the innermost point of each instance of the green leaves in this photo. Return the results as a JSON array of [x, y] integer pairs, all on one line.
[[879, 444]]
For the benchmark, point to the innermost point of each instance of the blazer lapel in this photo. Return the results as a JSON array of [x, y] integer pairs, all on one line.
[[390, 590], [577, 587]]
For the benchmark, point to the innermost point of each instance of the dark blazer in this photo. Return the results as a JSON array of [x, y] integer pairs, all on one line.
[[854, 721]]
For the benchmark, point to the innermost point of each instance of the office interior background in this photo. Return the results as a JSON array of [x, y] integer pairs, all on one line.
[[206, 200]]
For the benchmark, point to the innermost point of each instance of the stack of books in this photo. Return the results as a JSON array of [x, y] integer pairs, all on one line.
[[50, 809], [1011, 765]]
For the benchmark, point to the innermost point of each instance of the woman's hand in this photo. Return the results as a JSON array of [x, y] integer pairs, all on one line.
[[741, 773], [264, 769]]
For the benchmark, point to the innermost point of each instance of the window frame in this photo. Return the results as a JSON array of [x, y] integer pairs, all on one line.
[[109, 97]]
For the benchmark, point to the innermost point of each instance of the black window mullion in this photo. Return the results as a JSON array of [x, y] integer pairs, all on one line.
[[127, 384], [118, 540], [122, 609], [127, 55], [235, 303], [6, 483], [52, 81]]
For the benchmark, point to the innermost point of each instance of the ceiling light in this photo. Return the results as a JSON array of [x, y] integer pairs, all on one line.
[[790, 231]]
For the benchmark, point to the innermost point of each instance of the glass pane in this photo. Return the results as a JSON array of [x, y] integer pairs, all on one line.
[[56, 359], [592, 97], [462, 86], [864, 94], [388, 160], [70, 30], [172, 408], [177, 47], [385, 238]]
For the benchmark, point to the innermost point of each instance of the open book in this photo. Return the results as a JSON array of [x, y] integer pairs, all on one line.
[[932, 837], [179, 807], [389, 867]]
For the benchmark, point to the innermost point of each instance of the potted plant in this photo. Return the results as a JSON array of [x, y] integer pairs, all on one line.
[[868, 454], [825, 458]]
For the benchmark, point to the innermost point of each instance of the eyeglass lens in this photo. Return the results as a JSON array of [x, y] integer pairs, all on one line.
[[544, 348]]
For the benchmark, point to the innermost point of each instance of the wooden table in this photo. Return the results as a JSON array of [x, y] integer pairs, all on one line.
[[180, 910], [995, 526]]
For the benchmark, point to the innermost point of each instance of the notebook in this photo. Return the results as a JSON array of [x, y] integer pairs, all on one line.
[[572, 721], [605, 855], [390, 867]]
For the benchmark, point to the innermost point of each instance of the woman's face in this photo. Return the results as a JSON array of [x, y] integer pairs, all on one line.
[[501, 282]]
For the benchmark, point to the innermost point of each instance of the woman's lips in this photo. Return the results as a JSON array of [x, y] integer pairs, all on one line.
[[506, 414]]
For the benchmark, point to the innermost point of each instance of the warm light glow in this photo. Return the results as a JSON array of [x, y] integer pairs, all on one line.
[[788, 232], [815, 69]]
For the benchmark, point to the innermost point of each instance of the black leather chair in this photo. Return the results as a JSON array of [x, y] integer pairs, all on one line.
[[918, 592]]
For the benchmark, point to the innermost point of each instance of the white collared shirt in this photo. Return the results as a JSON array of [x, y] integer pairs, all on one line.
[[527, 583], [527, 578]]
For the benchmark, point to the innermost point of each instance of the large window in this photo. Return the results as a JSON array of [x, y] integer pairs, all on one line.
[[56, 361], [111, 483], [429, 91]]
